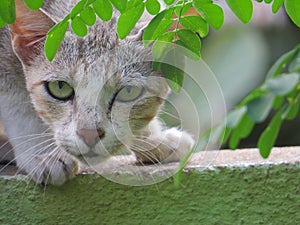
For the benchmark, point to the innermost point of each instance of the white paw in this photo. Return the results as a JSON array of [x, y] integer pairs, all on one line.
[[50, 169], [180, 142], [168, 146]]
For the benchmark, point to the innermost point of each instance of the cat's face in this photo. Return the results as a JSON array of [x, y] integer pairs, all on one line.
[[95, 98], [97, 92]]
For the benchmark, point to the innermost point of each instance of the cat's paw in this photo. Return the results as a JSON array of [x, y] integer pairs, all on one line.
[[180, 143], [170, 146], [51, 169]]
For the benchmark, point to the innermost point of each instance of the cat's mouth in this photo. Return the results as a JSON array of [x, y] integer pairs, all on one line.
[[90, 158], [90, 154], [94, 156]]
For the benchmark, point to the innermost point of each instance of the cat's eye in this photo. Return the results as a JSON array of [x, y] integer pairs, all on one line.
[[129, 93], [60, 90]]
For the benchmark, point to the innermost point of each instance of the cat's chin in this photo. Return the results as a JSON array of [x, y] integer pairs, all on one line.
[[91, 161]]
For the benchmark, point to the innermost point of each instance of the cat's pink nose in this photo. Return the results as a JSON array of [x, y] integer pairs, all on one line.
[[90, 137]]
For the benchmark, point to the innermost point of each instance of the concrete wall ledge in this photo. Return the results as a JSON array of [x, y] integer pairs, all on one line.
[[217, 187]]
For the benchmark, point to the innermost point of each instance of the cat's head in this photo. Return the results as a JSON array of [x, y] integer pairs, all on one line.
[[97, 92]]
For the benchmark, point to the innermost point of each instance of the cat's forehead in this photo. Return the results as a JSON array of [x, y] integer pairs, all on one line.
[[91, 55], [124, 63]]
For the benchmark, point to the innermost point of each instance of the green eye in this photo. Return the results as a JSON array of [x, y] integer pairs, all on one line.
[[60, 90], [129, 93]]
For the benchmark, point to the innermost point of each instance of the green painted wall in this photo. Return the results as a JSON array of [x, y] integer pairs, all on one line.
[[252, 195]]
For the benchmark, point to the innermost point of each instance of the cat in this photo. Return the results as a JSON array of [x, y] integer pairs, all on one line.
[[97, 97]]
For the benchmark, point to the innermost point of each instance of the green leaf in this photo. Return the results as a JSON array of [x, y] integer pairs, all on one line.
[[190, 41], [54, 39], [169, 2], [281, 63], [88, 16], [256, 93], [226, 134], [212, 13], [182, 165], [292, 8], [158, 25], [246, 126], [171, 69], [268, 1], [243, 9], [196, 24], [277, 102], [103, 9], [282, 85], [234, 140], [153, 6], [2, 23], [174, 76], [79, 27], [234, 117], [133, 3], [268, 137], [8, 11], [181, 10], [162, 46], [259, 108], [119, 4], [294, 66], [276, 5], [34, 4], [292, 111], [242, 130], [77, 8], [204, 1], [128, 19]]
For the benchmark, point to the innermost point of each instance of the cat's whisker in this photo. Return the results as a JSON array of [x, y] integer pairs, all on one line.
[[56, 156], [149, 143], [25, 152], [166, 144], [21, 156], [27, 136], [46, 161], [41, 150], [39, 165], [146, 153], [32, 147], [33, 137], [29, 174]]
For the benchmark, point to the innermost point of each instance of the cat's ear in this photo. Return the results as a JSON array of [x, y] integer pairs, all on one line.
[[28, 32]]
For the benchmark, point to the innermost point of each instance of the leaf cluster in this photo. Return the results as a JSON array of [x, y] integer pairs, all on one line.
[[182, 23], [278, 94], [170, 25]]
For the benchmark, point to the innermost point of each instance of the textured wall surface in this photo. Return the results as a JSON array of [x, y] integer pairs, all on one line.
[[251, 192]]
